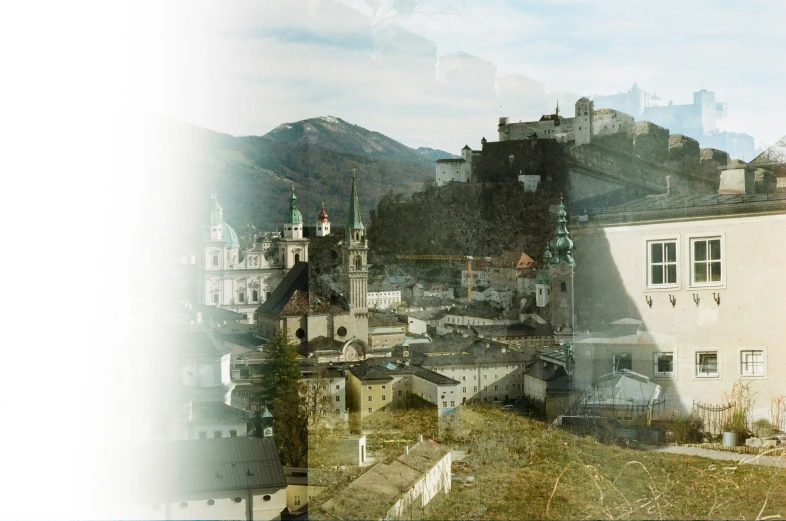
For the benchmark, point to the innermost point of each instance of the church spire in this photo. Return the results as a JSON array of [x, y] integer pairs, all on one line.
[[561, 245], [216, 212], [355, 229], [293, 216], [557, 108]]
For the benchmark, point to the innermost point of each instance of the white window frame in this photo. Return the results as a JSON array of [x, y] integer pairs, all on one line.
[[696, 355], [648, 241], [664, 374], [690, 240], [748, 349], [614, 359]]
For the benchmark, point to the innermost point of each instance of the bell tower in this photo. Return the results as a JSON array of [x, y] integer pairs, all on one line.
[[356, 255], [561, 267], [292, 247]]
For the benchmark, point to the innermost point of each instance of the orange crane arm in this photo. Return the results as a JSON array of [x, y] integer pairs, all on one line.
[[467, 258]]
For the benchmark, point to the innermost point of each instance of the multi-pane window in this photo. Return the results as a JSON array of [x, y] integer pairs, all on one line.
[[241, 297], [663, 364], [752, 363], [338, 398], [297, 500], [662, 263], [383, 398], [707, 262], [622, 361], [707, 363]]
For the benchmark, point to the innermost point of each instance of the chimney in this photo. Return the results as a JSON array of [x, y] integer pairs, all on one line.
[[420, 438], [406, 449], [668, 185]]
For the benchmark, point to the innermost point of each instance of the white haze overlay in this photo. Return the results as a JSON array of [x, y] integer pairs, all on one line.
[[82, 77]]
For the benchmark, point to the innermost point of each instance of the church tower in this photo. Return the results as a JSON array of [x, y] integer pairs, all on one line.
[[561, 268], [542, 287], [292, 247], [356, 255], [323, 224]]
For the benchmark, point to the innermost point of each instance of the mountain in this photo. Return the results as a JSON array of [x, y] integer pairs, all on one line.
[[254, 175], [434, 154], [336, 134]]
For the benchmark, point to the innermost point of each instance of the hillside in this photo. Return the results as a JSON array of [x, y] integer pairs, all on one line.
[[522, 468], [458, 219], [255, 174]]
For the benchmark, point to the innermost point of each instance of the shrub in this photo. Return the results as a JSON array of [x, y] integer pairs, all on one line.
[[687, 428], [762, 428]]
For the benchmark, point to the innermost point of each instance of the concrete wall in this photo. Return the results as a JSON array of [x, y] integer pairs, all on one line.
[[456, 170], [611, 283]]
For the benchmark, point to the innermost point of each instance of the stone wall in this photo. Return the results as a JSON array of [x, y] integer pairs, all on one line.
[[650, 142]]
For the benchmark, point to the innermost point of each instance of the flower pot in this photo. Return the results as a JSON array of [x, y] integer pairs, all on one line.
[[729, 439]]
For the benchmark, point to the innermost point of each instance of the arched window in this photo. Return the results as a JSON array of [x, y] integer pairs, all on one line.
[[297, 257], [215, 259], [357, 262], [563, 287]]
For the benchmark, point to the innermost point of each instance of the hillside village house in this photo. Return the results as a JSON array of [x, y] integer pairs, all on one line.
[[688, 291], [375, 385]]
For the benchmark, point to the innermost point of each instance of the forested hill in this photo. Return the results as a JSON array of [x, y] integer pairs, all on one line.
[[460, 219], [254, 175]]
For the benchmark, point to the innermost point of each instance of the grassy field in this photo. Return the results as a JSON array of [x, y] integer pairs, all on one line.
[[525, 469]]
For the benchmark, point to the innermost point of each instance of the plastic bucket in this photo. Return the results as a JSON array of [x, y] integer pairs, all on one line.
[[729, 439]]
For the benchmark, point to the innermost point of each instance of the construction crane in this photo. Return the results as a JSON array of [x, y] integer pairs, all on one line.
[[467, 258]]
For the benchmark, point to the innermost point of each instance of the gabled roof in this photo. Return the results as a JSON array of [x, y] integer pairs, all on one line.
[[292, 296], [374, 493], [295, 279]]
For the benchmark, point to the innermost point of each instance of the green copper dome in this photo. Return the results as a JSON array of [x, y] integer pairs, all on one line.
[[561, 245], [543, 273], [293, 216]]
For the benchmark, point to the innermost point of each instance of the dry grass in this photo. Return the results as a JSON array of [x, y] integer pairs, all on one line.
[[526, 470]]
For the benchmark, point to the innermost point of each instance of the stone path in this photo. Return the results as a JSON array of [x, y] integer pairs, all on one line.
[[745, 459]]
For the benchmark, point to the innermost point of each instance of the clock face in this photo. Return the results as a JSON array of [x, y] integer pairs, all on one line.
[[351, 355]]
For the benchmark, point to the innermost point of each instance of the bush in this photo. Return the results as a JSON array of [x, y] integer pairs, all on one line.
[[762, 428], [687, 428]]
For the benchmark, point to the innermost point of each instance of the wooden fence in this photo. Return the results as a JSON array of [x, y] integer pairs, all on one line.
[[713, 417]]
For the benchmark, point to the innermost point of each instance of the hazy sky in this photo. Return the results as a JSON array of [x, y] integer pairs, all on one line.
[[244, 68]]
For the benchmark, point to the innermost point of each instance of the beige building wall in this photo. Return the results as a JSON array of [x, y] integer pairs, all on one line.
[[369, 396], [738, 314]]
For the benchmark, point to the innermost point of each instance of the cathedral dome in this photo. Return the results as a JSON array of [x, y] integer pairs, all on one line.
[[229, 236]]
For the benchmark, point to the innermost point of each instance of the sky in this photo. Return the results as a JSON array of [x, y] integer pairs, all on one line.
[[244, 68]]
